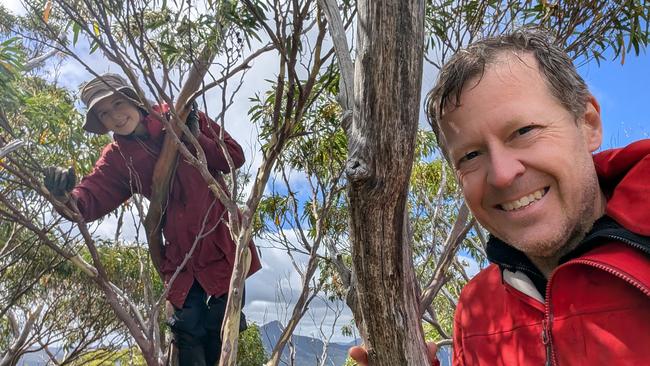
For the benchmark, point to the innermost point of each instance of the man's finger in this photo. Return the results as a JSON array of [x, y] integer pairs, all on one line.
[[359, 354]]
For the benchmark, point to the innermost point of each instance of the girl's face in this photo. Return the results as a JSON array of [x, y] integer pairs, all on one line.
[[118, 114]]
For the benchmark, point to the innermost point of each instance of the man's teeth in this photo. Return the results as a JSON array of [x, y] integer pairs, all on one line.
[[523, 201]]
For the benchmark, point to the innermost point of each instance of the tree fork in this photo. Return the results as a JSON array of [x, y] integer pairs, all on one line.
[[387, 83]]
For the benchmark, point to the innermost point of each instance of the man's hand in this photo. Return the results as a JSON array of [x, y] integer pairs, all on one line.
[[192, 120], [359, 354], [59, 181]]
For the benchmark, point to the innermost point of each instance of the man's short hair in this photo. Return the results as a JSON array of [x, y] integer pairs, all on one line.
[[555, 64]]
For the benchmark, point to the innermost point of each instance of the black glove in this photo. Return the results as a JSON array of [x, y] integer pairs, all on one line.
[[59, 180], [192, 120]]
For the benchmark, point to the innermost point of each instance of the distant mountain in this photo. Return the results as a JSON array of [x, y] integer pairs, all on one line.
[[309, 350]]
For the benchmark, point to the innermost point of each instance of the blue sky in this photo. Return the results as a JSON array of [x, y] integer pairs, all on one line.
[[624, 93]]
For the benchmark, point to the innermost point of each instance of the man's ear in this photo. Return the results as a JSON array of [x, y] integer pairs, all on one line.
[[592, 127]]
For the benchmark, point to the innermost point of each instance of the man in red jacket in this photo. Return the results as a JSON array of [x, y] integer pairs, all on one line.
[[569, 279], [199, 291]]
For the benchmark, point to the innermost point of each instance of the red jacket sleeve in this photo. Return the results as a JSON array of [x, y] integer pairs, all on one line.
[[105, 188], [214, 154]]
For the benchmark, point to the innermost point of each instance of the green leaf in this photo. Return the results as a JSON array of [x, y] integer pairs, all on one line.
[[76, 28], [93, 47]]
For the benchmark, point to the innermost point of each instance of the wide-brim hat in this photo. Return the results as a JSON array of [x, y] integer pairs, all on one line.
[[100, 88]]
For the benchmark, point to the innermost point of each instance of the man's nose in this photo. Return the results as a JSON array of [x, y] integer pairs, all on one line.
[[504, 167]]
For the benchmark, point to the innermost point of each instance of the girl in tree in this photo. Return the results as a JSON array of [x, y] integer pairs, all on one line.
[[199, 292]]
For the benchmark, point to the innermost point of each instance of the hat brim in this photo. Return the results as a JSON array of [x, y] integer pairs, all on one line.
[[92, 123]]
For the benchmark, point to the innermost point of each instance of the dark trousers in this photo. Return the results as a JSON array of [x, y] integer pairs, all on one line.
[[197, 327]]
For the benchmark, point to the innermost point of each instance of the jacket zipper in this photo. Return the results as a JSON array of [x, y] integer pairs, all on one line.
[[616, 273], [548, 316], [547, 343], [546, 327], [629, 242]]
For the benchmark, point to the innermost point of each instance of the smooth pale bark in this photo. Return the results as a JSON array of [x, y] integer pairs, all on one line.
[[387, 83], [346, 67]]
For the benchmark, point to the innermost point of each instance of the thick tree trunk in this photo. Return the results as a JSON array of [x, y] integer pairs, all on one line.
[[387, 83]]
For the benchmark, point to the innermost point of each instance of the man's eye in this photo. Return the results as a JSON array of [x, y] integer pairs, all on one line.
[[525, 130], [469, 156]]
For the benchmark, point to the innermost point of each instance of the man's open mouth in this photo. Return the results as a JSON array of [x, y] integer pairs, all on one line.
[[524, 201]]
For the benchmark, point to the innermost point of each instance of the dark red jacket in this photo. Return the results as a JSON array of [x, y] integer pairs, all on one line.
[[126, 167], [594, 309]]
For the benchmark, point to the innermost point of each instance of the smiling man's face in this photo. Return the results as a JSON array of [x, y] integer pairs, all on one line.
[[523, 160]]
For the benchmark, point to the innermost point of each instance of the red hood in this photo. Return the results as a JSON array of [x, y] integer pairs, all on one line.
[[624, 176]]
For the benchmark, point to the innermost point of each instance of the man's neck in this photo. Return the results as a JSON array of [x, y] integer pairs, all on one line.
[[546, 265]]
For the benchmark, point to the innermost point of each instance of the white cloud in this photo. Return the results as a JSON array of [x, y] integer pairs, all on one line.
[[15, 6]]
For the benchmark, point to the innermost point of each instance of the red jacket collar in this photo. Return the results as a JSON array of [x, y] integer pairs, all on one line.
[[624, 176]]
